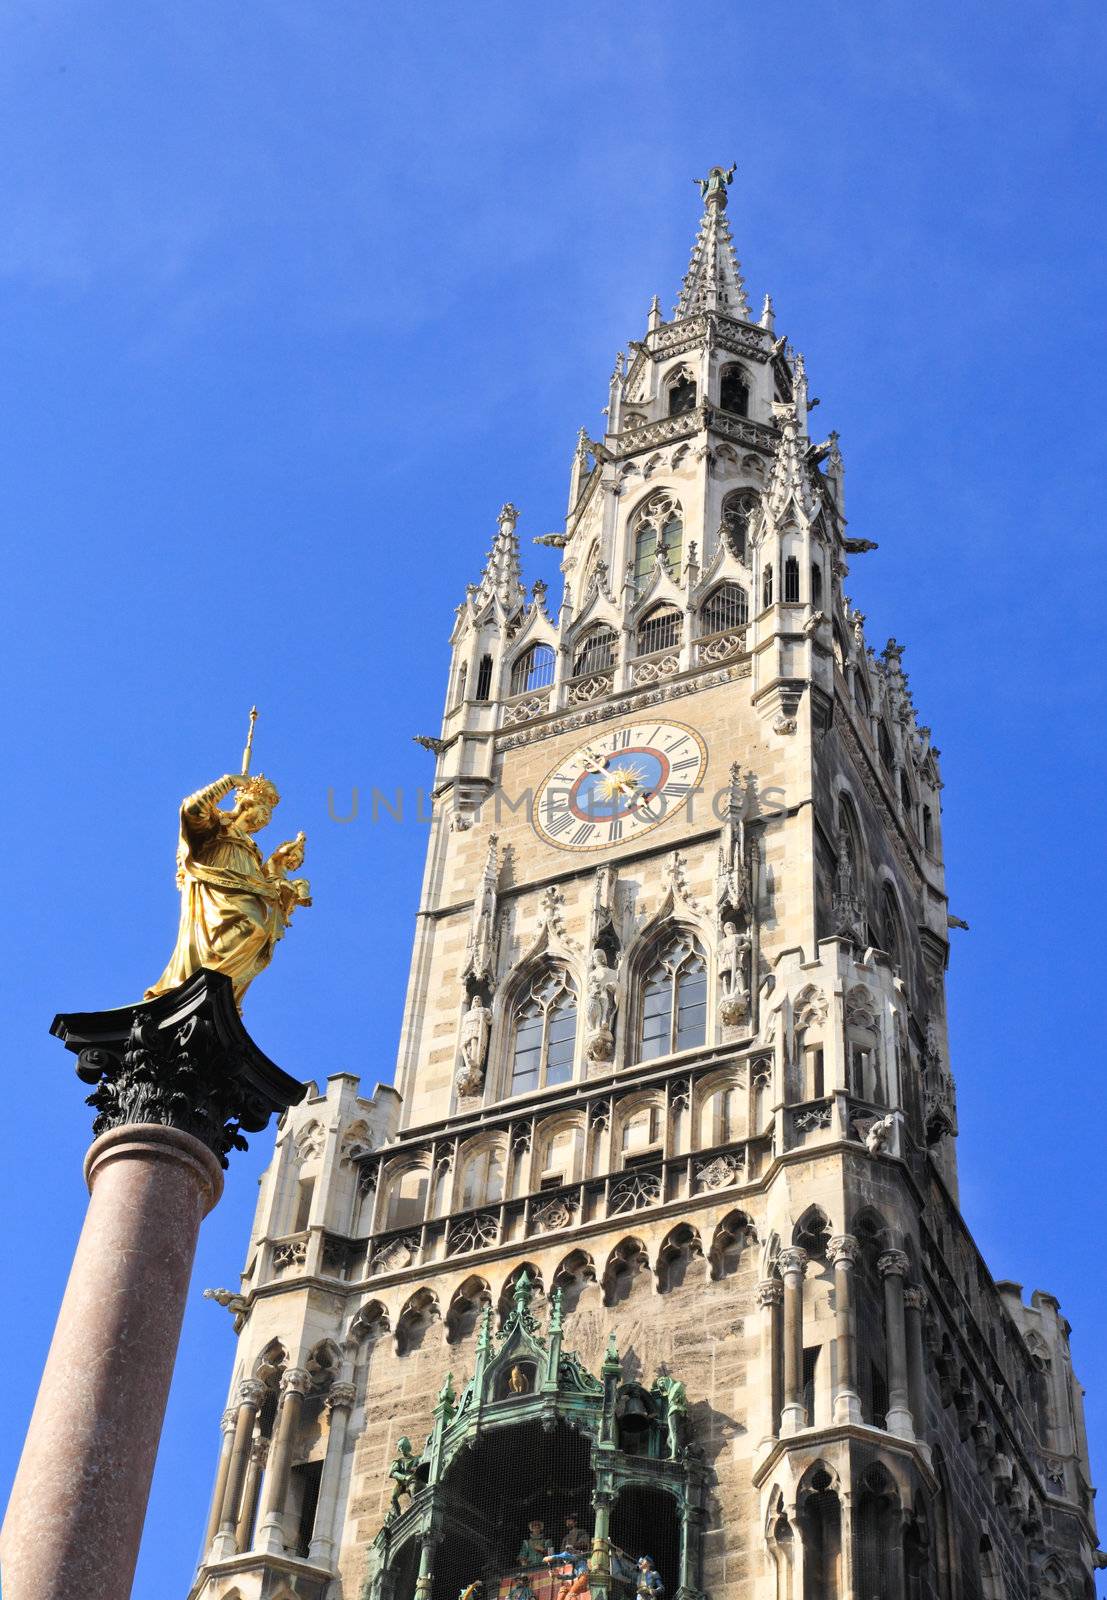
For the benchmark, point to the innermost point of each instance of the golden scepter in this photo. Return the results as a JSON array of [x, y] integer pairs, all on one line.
[[248, 751]]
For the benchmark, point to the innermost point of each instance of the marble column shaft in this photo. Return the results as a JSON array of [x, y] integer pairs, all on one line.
[[793, 1267], [914, 1300], [340, 1403], [75, 1519], [226, 1447], [272, 1533], [893, 1265], [843, 1252], [251, 1394]]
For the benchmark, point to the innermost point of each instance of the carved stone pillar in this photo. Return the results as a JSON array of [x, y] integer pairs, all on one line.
[[914, 1300], [248, 1509], [226, 1444], [272, 1535], [339, 1403], [843, 1252], [892, 1266], [793, 1267], [251, 1395], [770, 1294], [173, 1081]]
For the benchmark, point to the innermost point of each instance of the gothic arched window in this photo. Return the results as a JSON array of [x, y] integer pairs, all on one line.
[[484, 678], [595, 652], [737, 511], [674, 1000], [734, 391], [891, 934], [659, 531], [767, 587], [682, 394], [725, 607], [791, 580], [544, 1034], [884, 746], [816, 585], [659, 630], [533, 670]]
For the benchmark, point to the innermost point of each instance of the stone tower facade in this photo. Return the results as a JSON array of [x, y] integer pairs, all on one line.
[[659, 1228]]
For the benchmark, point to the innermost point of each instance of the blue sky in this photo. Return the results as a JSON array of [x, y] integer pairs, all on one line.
[[293, 296]]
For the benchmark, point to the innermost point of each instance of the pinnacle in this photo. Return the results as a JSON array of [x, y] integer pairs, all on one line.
[[714, 280], [502, 575]]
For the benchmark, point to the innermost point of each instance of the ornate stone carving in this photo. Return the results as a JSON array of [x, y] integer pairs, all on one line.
[[816, 1117], [734, 963], [623, 705], [722, 1170], [915, 1299], [182, 1060], [296, 1381], [893, 1264], [556, 1213], [480, 950], [340, 1395], [396, 1254], [843, 1247], [879, 1136], [770, 1292], [602, 1005], [476, 1028], [474, 1232], [293, 1253], [792, 1259], [634, 1189]]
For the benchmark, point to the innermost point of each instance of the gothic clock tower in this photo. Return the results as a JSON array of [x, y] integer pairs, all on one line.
[[656, 1242]]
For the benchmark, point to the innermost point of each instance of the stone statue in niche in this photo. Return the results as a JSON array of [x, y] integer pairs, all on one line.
[[476, 1026], [603, 1004], [402, 1473], [734, 966], [674, 1398]]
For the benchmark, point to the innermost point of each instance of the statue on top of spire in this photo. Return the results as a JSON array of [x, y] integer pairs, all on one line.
[[713, 188]]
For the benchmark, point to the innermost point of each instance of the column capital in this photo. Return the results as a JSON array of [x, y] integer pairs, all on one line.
[[915, 1298], [845, 1248], [259, 1449], [893, 1264], [182, 1060], [793, 1259], [251, 1392], [340, 1395], [228, 1419], [297, 1380], [770, 1292]]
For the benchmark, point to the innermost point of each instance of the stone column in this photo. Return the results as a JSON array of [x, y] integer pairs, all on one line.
[[248, 1509], [892, 1266], [770, 1293], [843, 1251], [272, 1536], [227, 1425], [793, 1266], [339, 1402], [914, 1300], [174, 1081], [251, 1394]]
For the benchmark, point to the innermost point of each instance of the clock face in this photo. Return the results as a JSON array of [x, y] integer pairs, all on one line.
[[619, 785]]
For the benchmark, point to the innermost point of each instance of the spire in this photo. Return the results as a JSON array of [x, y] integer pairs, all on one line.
[[502, 576], [713, 281], [789, 481]]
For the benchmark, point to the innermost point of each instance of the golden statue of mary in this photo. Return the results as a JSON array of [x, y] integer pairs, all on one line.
[[235, 903]]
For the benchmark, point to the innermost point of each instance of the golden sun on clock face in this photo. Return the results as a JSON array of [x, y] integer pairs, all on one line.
[[619, 785]]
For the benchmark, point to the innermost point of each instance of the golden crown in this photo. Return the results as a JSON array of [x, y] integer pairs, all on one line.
[[260, 788]]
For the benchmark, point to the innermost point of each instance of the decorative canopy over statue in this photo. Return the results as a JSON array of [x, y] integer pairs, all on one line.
[[235, 903]]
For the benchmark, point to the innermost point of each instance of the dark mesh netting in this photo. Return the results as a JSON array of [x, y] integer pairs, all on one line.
[[644, 1522], [495, 1495], [510, 1479]]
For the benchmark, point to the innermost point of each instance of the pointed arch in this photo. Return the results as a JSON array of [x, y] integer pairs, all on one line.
[[656, 533], [541, 1015], [464, 1311], [533, 669], [734, 390], [626, 1265], [421, 1311], [659, 629], [670, 996], [370, 1323], [574, 1277], [812, 1232], [819, 1514], [728, 1241], [726, 607], [595, 651], [680, 392], [680, 1258]]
